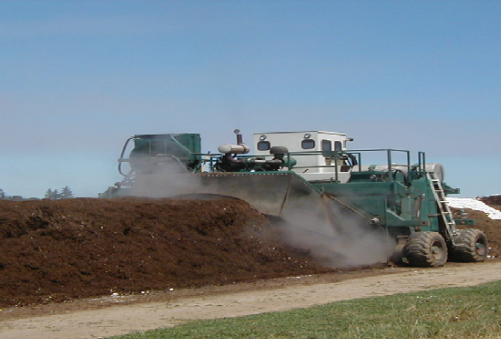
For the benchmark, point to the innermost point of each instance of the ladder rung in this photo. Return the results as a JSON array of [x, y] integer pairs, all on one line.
[[442, 204]]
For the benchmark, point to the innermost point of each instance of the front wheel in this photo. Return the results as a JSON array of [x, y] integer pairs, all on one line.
[[426, 249], [474, 247]]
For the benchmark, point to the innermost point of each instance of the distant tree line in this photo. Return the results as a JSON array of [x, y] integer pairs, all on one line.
[[65, 193], [5, 196]]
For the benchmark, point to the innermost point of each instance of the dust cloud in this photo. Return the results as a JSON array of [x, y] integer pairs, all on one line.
[[336, 237], [166, 179]]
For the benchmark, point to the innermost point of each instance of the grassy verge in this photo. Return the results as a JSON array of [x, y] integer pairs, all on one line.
[[472, 312]]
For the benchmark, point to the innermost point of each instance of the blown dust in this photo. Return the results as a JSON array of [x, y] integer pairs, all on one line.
[[68, 255]]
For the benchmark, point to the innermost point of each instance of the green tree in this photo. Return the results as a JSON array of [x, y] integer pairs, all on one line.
[[56, 194], [66, 193], [49, 194]]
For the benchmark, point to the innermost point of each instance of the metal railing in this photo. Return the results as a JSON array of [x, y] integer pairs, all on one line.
[[354, 159]]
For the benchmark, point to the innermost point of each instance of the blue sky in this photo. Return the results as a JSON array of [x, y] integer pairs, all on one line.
[[80, 77]]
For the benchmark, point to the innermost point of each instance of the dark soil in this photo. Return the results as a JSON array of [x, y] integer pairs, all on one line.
[[52, 251]]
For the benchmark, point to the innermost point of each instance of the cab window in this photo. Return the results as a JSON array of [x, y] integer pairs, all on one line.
[[308, 144], [327, 148], [326, 145], [263, 146]]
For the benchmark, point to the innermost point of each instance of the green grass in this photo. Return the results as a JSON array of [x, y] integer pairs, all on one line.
[[455, 313]]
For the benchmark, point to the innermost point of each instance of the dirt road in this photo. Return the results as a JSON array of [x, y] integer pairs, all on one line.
[[115, 315]]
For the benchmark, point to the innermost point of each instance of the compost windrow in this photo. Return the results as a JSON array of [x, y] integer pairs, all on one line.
[[58, 250]]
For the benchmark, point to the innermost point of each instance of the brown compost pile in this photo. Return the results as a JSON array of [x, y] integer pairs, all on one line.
[[57, 250]]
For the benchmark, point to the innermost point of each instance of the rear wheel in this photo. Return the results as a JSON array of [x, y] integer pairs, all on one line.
[[474, 247], [426, 249]]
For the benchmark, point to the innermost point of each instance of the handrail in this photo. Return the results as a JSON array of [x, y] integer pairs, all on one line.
[[360, 155]]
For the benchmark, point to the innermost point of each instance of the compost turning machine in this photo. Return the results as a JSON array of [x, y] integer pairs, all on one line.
[[294, 174]]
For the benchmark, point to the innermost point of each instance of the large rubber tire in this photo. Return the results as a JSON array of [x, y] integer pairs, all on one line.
[[426, 249], [475, 247]]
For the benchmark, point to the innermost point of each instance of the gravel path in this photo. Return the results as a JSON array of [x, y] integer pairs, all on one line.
[[122, 319]]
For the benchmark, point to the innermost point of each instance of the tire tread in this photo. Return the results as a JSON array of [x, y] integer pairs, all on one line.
[[418, 249], [468, 251]]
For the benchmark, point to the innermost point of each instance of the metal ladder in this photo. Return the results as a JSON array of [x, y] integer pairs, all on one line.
[[443, 207]]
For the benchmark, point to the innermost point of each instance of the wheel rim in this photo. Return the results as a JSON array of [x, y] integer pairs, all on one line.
[[480, 247], [437, 251]]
